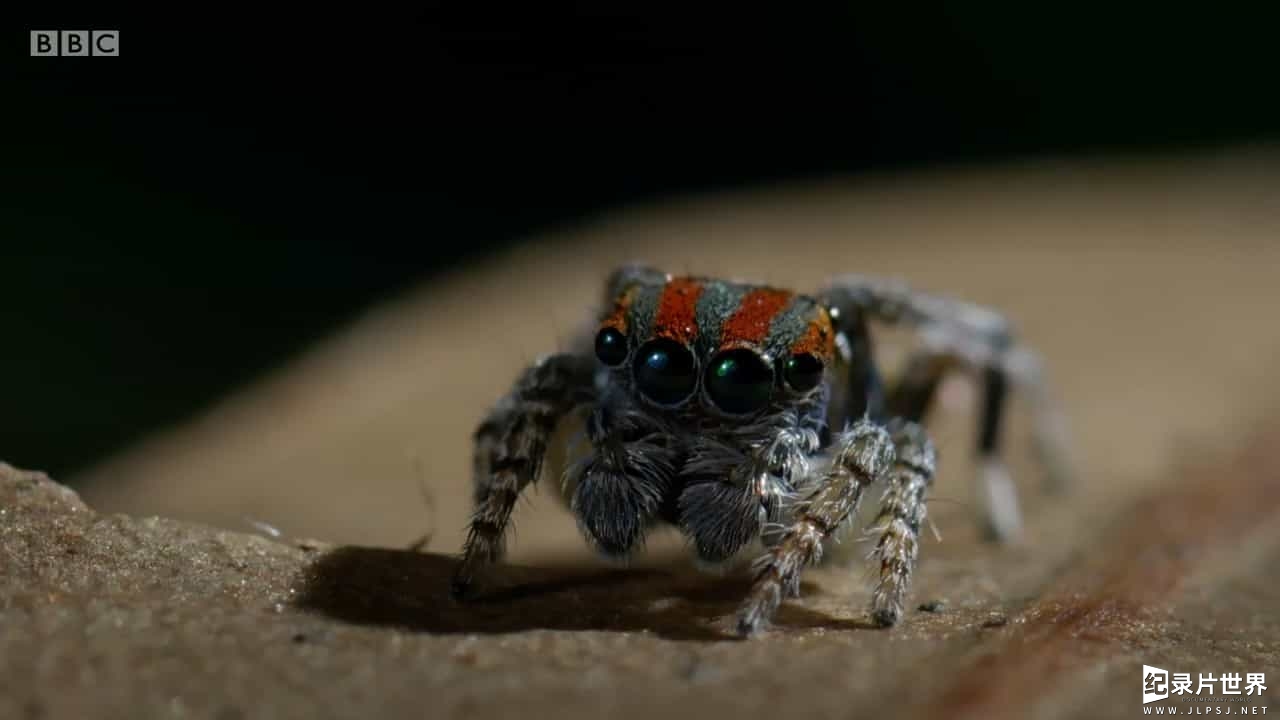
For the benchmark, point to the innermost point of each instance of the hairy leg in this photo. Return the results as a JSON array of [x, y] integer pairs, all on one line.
[[961, 334], [1050, 432], [912, 398], [510, 445], [901, 513], [864, 394], [862, 455]]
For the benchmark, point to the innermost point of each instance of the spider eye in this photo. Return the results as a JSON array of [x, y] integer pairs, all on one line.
[[611, 346], [803, 371], [665, 371], [739, 381]]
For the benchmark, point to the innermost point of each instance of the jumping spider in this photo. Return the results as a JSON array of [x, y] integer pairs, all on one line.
[[741, 413]]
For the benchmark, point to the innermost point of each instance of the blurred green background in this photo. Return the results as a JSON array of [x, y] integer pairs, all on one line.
[[180, 219]]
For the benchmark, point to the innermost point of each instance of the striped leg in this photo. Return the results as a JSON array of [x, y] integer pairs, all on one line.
[[509, 449], [959, 334], [1019, 368], [901, 513], [862, 455], [912, 398]]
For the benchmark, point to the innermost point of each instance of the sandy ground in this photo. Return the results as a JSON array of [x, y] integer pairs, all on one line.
[[1150, 288]]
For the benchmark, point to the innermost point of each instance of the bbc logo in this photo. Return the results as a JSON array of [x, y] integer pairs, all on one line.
[[75, 43]]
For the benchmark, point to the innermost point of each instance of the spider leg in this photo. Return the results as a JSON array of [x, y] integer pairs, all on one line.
[[901, 513], [864, 394], [1050, 432], [959, 334], [912, 398], [510, 445], [862, 455]]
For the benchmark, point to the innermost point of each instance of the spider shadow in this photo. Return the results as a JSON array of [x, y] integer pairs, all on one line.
[[410, 590]]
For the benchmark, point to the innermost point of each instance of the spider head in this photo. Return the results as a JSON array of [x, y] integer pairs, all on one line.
[[706, 347]]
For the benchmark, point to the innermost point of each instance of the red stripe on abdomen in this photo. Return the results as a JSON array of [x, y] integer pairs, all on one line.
[[819, 337], [677, 317], [750, 322], [617, 317]]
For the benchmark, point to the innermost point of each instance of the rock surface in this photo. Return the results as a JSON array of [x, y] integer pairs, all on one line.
[[112, 616]]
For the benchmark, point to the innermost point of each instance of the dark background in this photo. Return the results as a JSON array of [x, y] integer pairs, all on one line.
[[179, 219]]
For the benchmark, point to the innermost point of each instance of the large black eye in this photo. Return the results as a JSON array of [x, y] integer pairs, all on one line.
[[739, 381], [802, 372], [611, 346], [665, 371]]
